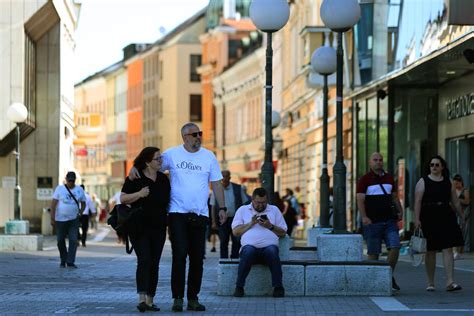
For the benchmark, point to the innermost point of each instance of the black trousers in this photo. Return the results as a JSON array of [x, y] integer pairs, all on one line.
[[84, 228], [187, 235], [148, 248], [225, 234]]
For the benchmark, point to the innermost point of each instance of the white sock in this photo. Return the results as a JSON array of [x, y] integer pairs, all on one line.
[[149, 300], [141, 298]]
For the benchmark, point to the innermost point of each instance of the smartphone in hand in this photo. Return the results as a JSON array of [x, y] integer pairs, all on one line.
[[263, 217]]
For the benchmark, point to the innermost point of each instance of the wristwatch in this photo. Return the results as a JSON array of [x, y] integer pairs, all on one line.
[[223, 209], [272, 227]]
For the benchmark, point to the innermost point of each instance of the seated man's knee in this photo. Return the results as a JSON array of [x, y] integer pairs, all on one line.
[[272, 251], [248, 251]]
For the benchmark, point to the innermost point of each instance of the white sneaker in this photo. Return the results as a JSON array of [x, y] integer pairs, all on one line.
[[457, 256]]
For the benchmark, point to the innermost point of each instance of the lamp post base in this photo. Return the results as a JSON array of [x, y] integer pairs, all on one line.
[[17, 227]]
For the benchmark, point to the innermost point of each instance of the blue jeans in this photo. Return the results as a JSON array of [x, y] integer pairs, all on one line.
[[69, 229], [250, 255], [375, 233], [188, 237]]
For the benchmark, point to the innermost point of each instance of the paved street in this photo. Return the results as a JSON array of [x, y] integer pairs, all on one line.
[[33, 283]]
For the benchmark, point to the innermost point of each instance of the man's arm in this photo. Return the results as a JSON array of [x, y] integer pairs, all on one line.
[[54, 204], [280, 232], [419, 192], [242, 229], [361, 206], [398, 205], [219, 196]]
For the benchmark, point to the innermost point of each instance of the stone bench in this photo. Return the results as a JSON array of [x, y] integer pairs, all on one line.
[[311, 278]]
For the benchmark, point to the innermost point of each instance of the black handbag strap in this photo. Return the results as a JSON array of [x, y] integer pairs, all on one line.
[[75, 200], [383, 189]]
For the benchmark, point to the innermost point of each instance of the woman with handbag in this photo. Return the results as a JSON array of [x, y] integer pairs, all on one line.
[[151, 193], [434, 195]]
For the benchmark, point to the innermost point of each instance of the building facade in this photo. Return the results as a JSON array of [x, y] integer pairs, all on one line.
[[423, 107], [37, 59]]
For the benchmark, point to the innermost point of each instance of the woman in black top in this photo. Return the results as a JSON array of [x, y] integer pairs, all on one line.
[[434, 195], [152, 192]]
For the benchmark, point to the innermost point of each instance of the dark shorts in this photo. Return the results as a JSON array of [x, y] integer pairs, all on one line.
[[375, 233]]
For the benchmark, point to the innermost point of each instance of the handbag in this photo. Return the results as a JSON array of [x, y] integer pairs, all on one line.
[[418, 242]]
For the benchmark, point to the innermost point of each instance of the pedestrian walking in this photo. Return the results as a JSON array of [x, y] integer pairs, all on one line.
[[380, 211], [151, 192], [463, 195], [235, 197], [67, 206], [434, 195], [85, 217], [191, 169], [289, 214]]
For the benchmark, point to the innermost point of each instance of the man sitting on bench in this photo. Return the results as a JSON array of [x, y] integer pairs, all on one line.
[[259, 225]]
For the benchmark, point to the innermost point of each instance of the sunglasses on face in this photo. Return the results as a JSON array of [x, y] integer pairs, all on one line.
[[195, 134], [433, 164]]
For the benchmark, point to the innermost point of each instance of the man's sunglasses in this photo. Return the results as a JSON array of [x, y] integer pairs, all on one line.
[[195, 134], [434, 164]]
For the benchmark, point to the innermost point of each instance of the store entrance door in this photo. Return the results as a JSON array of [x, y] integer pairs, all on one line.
[[460, 155]]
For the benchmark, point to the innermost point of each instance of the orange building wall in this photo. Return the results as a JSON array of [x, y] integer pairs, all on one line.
[[134, 111]]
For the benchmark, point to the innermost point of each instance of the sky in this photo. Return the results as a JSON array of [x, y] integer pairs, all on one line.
[[107, 26]]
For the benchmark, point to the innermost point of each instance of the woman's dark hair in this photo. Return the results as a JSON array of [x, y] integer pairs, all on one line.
[[445, 171], [146, 155], [457, 177]]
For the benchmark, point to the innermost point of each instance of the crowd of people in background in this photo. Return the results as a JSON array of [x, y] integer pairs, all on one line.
[[182, 205]]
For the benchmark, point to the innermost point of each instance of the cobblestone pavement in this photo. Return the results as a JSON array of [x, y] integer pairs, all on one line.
[[33, 283]]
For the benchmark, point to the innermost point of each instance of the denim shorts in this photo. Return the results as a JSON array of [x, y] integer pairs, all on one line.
[[376, 232]]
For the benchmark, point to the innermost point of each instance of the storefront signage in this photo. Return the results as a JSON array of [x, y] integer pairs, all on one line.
[[460, 106]]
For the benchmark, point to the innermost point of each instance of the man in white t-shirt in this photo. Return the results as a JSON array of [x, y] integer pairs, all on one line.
[[260, 225], [191, 169], [67, 206]]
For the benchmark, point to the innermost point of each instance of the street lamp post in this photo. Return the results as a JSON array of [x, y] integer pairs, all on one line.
[[269, 16], [17, 113], [323, 61], [339, 16]]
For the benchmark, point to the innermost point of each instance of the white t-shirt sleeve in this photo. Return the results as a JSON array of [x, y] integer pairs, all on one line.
[[56, 194], [215, 174], [238, 218], [280, 221], [165, 161]]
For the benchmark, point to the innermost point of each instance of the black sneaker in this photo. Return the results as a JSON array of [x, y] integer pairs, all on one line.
[[279, 291], [152, 308], [194, 305], [395, 286], [239, 291], [71, 265], [142, 307], [177, 305], [62, 265]]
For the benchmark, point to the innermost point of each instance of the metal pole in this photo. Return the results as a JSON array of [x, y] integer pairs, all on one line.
[[267, 168], [339, 169], [324, 179], [17, 206]]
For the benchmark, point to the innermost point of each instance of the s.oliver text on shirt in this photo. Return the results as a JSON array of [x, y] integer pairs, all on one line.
[[188, 165]]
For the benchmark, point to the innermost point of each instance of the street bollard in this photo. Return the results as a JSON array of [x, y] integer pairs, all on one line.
[[46, 228]]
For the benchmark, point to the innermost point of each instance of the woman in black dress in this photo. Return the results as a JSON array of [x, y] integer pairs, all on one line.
[[152, 192], [434, 197]]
